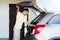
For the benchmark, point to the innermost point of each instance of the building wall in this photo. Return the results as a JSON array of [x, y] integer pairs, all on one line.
[[50, 5], [4, 17]]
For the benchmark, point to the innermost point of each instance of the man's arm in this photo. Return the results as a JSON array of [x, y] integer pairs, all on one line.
[[29, 24]]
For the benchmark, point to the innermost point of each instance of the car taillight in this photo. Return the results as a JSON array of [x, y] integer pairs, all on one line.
[[38, 28]]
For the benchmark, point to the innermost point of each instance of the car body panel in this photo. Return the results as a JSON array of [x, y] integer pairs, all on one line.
[[48, 32]]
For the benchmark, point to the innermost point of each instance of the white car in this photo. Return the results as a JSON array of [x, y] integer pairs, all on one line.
[[52, 28], [51, 31]]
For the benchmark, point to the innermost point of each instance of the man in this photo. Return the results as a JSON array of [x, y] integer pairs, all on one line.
[[20, 19]]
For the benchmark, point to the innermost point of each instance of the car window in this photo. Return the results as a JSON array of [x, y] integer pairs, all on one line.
[[55, 19]]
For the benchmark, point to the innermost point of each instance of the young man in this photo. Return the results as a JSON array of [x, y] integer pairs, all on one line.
[[20, 19]]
